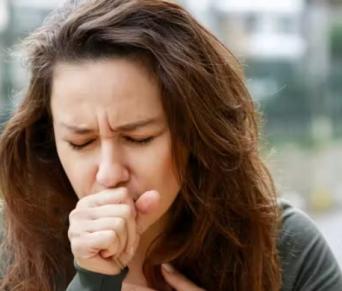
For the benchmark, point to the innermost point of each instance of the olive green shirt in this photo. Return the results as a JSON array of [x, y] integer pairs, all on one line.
[[306, 259]]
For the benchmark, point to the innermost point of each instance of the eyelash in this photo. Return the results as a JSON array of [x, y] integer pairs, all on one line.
[[143, 141], [79, 146], [128, 139]]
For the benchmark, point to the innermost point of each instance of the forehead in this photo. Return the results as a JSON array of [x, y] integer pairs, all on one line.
[[122, 88]]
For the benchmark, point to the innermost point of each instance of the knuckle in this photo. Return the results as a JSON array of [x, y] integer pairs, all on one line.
[[80, 203], [70, 234], [74, 231], [74, 214]]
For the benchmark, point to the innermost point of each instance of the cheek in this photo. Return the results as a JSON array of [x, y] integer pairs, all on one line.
[[168, 176], [162, 174], [79, 171]]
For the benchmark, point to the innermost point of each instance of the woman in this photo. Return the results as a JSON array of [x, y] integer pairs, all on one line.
[[133, 158]]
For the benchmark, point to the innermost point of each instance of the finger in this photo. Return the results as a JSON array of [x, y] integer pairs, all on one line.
[[108, 196], [81, 219], [117, 224], [90, 244], [177, 280], [110, 252], [146, 203], [110, 210], [126, 257], [127, 213], [131, 235]]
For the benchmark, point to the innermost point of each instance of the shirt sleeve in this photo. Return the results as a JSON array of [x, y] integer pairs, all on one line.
[[85, 280], [307, 261]]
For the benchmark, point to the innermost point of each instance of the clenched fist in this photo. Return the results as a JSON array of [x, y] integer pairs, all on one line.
[[105, 228]]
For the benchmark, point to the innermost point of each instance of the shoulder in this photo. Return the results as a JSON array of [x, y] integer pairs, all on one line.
[[306, 259]]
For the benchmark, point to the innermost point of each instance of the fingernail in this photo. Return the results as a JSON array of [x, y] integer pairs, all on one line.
[[168, 268]]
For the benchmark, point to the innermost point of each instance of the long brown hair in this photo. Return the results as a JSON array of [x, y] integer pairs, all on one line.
[[223, 225]]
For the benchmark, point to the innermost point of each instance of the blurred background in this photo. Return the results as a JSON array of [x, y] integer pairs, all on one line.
[[291, 51]]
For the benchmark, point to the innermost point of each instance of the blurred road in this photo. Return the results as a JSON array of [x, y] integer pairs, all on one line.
[[330, 225]]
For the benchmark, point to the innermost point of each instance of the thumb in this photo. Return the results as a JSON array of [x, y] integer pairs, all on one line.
[[145, 205]]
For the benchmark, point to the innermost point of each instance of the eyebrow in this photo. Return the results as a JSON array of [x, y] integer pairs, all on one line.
[[125, 127]]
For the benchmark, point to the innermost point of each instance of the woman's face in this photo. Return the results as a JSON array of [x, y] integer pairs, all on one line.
[[111, 130]]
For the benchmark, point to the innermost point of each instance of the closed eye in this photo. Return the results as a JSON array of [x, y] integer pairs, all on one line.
[[139, 141], [80, 146], [136, 141]]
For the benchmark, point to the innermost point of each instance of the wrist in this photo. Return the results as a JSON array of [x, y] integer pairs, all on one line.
[[120, 271]]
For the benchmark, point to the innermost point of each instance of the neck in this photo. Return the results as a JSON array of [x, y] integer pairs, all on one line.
[[135, 275]]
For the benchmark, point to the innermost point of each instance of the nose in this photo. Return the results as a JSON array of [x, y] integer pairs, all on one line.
[[112, 171]]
